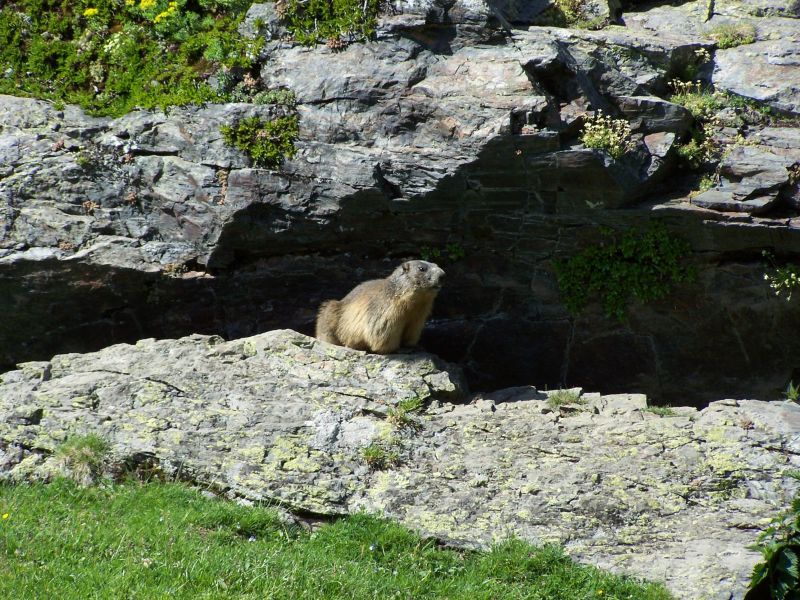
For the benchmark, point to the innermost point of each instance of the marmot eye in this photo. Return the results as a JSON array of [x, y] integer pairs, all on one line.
[[422, 268]]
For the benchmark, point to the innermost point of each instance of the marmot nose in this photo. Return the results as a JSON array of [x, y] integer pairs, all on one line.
[[441, 275]]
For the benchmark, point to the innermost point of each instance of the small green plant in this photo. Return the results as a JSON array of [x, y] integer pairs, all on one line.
[[81, 458], [777, 576], [400, 415], [604, 133], [380, 455], [730, 35], [643, 265], [661, 411], [702, 102], [335, 22], [280, 96], [706, 183], [782, 279], [701, 148], [266, 142], [792, 392], [562, 397], [690, 69]]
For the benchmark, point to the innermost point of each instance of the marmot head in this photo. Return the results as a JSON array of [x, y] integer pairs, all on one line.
[[420, 274]]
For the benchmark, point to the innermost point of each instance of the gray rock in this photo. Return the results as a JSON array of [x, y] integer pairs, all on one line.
[[283, 418], [452, 134], [753, 176]]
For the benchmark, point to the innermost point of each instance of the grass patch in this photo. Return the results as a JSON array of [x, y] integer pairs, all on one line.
[[730, 35], [381, 455], [402, 415], [165, 540], [82, 458], [661, 411], [560, 398], [110, 56]]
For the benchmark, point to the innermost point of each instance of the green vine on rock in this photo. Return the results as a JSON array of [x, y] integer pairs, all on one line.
[[643, 265]]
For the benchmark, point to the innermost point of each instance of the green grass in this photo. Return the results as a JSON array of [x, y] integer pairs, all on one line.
[[662, 411], [730, 35], [164, 540], [562, 397]]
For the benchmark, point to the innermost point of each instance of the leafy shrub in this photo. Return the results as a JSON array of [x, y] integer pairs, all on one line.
[[642, 265], [730, 35], [314, 21], [604, 133], [110, 56], [266, 142], [777, 577]]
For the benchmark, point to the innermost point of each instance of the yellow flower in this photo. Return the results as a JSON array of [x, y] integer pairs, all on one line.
[[161, 16], [145, 4], [5, 516], [90, 12], [130, 2]]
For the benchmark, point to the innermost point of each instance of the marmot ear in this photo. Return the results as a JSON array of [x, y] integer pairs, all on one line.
[[406, 266]]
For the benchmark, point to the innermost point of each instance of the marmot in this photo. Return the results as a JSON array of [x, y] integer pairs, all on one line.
[[382, 315]]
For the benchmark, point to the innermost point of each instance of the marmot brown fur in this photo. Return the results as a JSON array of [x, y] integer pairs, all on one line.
[[382, 315]]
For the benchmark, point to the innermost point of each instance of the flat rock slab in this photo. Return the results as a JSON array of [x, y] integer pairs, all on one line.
[[284, 418]]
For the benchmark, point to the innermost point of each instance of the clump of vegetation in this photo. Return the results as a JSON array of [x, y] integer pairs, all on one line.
[[571, 13], [689, 70], [730, 35], [701, 148], [266, 142], [560, 398], [453, 252], [82, 458], [401, 415], [642, 265], [381, 455], [783, 280], [110, 56], [778, 576], [792, 392], [702, 102], [661, 411], [608, 134], [706, 183], [158, 540], [334, 22]]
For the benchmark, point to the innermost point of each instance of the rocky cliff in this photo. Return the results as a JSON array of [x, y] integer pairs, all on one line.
[[453, 135], [676, 496]]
